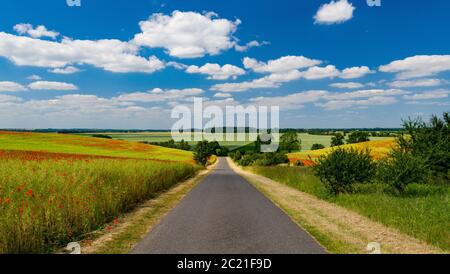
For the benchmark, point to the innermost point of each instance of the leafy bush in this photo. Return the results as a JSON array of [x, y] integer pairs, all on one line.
[[235, 155], [429, 141], [263, 159], [202, 152], [206, 149], [290, 142], [183, 145], [342, 168], [317, 147], [337, 140], [402, 169], [358, 137]]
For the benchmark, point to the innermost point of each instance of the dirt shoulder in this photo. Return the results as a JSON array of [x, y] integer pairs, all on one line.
[[338, 229], [122, 235]]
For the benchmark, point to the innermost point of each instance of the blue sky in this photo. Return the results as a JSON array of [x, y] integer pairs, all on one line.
[[126, 64]]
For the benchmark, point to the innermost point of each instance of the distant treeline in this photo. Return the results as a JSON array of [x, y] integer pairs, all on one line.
[[319, 131], [84, 131], [374, 132], [183, 145]]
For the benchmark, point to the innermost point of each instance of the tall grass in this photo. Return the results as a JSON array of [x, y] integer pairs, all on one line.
[[47, 203], [422, 211]]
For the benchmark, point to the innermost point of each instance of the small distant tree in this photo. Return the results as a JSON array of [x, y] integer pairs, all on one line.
[[358, 137], [337, 140], [214, 148], [317, 147], [202, 152], [290, 142], [184, 145]]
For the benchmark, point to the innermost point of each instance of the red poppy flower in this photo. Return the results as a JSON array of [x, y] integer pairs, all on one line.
[[29, 193]]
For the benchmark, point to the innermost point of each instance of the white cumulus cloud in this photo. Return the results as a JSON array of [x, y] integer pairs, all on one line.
[[38, 32], [282, 64], [334, 12], [47, 85], [188, 34], [316, 73], [428, 95], [418, 66], [217, 72], [66, 70], [160, 95], [355, 72], [11, 86], [109, 54], [349, 85]]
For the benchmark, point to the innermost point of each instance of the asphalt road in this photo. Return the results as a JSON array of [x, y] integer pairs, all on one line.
[[224, 214]]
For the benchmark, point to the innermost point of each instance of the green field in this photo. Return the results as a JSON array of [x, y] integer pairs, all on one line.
[[153, 137], [78, 144], [308, 140]]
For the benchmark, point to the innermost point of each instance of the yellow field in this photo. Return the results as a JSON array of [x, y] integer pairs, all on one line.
[[379, 149]]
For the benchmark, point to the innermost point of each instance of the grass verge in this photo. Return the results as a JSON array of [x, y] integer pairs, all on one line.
[[133, 226], [341, 230]]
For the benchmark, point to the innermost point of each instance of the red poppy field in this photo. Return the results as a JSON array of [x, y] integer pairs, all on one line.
[[50, 199]]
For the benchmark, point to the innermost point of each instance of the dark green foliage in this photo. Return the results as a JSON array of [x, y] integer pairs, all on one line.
[[104, 136], [183, 145], [222, 151], [317, 147], [342, 168], [235, 155], [202, 152], [429, 141], [402, 169], [206, 149], [290, 142], [358, 137], [337, 140], [259, 159]]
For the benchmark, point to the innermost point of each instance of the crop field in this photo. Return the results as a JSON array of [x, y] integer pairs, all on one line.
[[308, 140], [153, 137], [55, 189], [378, 149], [78, 144]]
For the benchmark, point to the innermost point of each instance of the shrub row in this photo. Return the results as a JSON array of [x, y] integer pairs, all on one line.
[[259, 159], [422, 156]]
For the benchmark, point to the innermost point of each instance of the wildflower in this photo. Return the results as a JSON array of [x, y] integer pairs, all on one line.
[[29, 193], [60, 206], [109, 228], [7, 200], [116, 221], [21, 187]]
